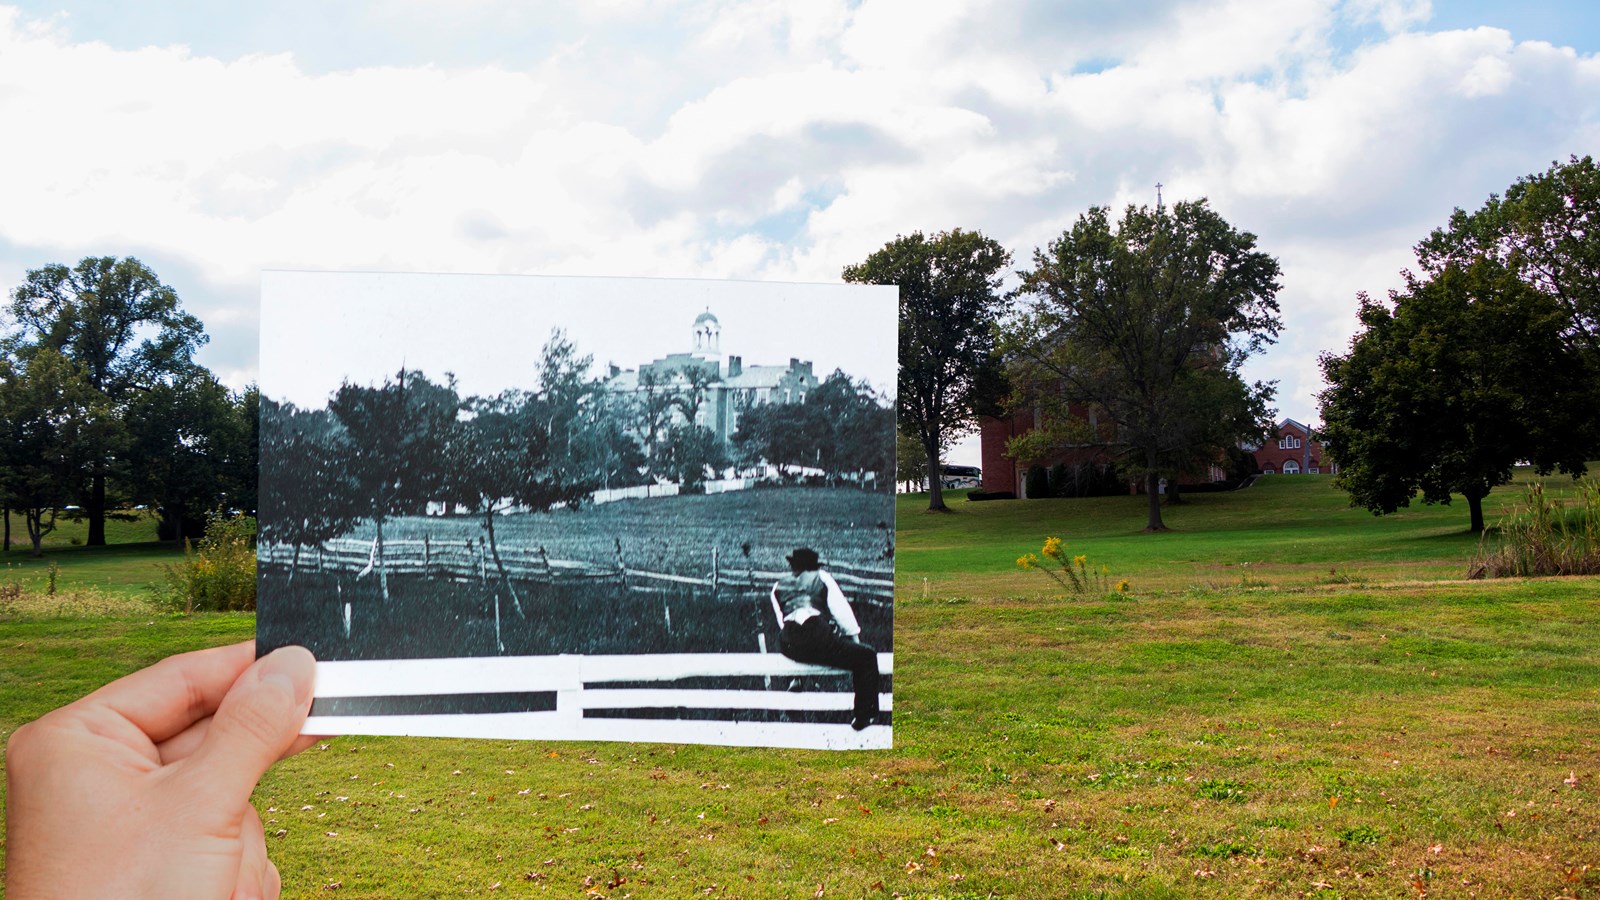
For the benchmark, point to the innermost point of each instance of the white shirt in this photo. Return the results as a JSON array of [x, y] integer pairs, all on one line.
[[838, 607]]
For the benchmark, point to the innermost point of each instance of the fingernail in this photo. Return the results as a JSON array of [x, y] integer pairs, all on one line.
[[293, 667]]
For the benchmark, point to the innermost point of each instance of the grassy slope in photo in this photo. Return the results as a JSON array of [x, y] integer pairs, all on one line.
[[1293, 699]]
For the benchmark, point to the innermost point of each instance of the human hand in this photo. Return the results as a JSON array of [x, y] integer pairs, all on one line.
[[142, 788]]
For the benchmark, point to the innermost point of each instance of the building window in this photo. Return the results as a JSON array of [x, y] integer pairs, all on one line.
[[1268, 471], [1290, 467], [1316, 470], [1288, 442]]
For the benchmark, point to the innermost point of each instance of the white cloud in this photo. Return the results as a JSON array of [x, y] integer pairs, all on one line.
[[1393, 15], [780, 139]]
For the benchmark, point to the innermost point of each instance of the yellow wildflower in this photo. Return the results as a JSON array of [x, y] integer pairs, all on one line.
[[1122, 586], [1052, 547], [1080, 560], [1027, 561]]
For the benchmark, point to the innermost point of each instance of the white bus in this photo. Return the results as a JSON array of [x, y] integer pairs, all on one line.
[[954, 478]]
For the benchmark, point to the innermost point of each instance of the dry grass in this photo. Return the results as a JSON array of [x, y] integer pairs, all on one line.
[[16, 602]]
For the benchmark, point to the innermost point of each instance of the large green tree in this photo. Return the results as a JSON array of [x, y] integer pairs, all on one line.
[[950, 300], [1132, 335], [121, 327], [193, 446], [1546, 232], [1455, 380], [53, 424]]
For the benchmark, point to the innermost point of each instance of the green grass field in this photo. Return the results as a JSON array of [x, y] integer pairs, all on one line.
[[1286, 531], [132, 561], [1344, 717], [139, 527]]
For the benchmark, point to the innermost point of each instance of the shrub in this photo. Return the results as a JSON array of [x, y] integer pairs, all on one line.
[[1545, 536], [219, 573], [1036, 483], [1060, 480]]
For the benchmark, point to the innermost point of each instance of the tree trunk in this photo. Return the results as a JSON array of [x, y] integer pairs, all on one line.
[[1152, 490], [35, 532], [97, 512], [494, 550], [1475, 506], [1173, 499], [935, 481]]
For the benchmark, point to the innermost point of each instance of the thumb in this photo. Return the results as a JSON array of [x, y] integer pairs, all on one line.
[[255, 724]]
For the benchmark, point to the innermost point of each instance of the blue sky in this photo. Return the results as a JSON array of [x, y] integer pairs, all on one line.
[[764, 139]]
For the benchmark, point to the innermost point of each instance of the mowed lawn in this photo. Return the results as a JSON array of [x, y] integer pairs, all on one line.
[[1343, 717], [133, 560], [1285, 531]]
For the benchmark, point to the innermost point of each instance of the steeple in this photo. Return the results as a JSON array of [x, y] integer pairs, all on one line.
[[707, 336]]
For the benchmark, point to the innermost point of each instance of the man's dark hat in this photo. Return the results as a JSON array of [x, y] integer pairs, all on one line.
[[804, 558]]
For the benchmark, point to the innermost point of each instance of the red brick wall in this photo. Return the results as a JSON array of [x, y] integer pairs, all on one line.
[[1270, 456], [1000, 470]]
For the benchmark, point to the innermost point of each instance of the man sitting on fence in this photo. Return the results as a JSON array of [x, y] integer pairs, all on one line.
[[819, 627]]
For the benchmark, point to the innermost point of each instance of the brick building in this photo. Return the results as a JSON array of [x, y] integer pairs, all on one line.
[[1294, 451]]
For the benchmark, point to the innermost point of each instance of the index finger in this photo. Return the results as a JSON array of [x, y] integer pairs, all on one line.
[[178, 691]]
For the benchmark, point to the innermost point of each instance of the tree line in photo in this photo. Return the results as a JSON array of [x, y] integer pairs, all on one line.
[[380, 451], [1127, 335]]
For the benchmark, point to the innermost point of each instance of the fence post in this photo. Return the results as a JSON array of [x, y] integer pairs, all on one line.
[[483, 563], [499, 644], [427, 556], [338, 591], [716, 575], [761, 641], [622, 570]]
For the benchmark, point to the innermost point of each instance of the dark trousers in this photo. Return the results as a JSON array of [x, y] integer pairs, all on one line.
[[815, 641]]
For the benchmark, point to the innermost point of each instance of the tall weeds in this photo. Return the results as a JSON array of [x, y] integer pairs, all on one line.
[[219, 573], [1072, 573], [1545, 536]]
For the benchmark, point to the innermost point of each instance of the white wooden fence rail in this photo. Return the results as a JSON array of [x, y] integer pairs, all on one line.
[[577, 682]]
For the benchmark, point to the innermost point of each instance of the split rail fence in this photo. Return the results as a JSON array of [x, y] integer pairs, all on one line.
[[471, 560]]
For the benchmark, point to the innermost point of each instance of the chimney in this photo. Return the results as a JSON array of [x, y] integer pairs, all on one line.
[[735, 366], [614, 369]]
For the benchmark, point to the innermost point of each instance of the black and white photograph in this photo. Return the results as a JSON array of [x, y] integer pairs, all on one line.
[[581, 508]]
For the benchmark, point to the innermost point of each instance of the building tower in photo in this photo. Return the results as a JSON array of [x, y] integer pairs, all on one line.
[[729, 385]]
